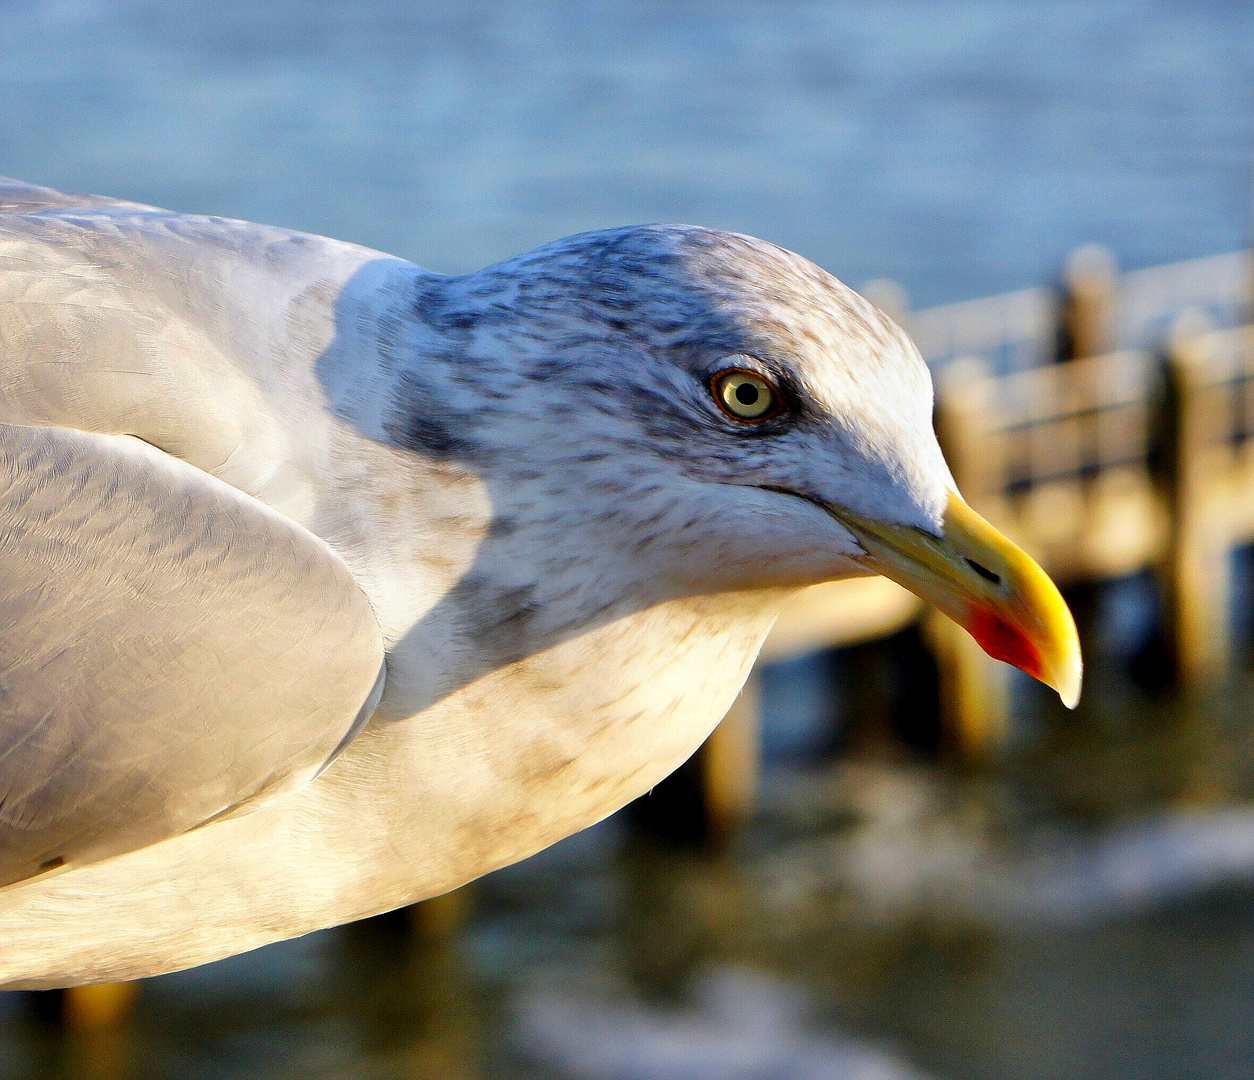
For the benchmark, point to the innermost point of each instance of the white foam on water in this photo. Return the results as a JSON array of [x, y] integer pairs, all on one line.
[[740, 1025]]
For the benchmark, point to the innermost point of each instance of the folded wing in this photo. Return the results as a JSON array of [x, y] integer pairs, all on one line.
[[171, 649], [17, 197]]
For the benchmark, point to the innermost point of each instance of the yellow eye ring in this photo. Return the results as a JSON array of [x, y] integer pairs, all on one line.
[[745, 395]]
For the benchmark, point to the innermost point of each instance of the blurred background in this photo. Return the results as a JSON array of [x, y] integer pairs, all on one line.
[[894, 861]]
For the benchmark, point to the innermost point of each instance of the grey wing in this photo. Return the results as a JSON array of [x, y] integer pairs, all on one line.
[[227, 344], [17, 197], [170, 649]]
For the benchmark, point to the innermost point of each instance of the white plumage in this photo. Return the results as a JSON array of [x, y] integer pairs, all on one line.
[[266, 459]]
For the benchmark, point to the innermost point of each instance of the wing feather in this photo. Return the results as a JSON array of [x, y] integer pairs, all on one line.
[[17, 197], [171, 649]]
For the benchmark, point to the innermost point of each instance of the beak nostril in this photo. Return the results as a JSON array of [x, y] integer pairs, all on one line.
[[983, 571]]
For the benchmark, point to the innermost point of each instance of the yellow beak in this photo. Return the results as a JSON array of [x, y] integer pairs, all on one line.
[[985, 584]]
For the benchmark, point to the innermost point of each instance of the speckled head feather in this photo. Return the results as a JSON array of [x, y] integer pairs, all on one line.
[[585, 366]]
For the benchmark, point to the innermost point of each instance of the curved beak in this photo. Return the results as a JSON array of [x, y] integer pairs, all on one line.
[[986, 584]]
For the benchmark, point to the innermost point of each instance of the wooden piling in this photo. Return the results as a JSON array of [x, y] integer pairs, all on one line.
[[1212, 487], [974, 692], [730, 764], [1091, 278], [441, 916], [974, 689], [98, 1007]]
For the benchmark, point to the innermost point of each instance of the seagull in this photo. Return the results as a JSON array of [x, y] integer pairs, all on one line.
[[329, 583]]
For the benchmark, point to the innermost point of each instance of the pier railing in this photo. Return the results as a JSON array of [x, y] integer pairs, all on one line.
[[1011, 332], [1058, 458]]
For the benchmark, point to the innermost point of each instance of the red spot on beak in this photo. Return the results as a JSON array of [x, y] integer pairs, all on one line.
[[1004, 642]]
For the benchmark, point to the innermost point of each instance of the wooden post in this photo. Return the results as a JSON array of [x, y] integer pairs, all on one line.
[[1198, 572], [441, 916], [974, 691], [965, 427], [890, 298], [730, 760], [97, 1007], [1091, 277], [974, 688]]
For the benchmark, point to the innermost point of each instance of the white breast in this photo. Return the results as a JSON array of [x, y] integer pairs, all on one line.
[[493, 773]]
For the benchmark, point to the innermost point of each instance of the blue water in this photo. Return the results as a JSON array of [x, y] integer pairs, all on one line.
[[960, 147], [864, 929]]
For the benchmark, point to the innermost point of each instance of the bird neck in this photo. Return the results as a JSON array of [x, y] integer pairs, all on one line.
[[485, 569], [466, 586]]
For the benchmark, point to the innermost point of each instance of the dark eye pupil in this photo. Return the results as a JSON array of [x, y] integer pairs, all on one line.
[[747, 394]]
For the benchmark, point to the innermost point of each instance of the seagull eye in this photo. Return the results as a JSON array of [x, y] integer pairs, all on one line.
[[745, 395]]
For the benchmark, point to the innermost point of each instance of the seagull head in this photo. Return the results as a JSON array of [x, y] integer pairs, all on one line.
[[720, 414]]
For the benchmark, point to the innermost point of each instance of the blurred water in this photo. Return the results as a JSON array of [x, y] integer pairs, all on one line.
[[1089, 913], [961, 147], [880, 922]]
